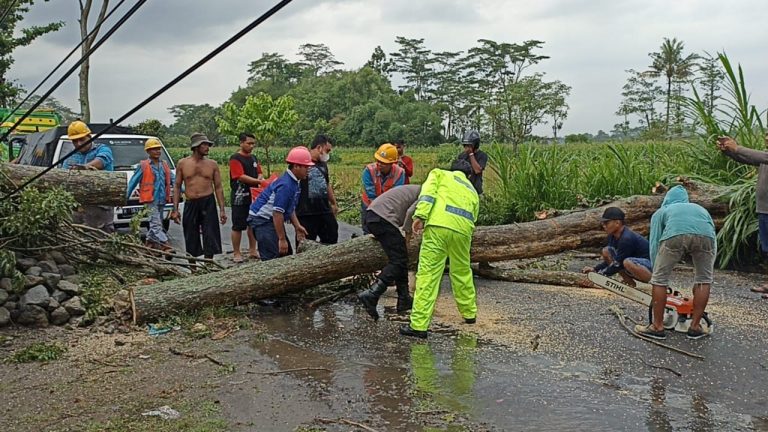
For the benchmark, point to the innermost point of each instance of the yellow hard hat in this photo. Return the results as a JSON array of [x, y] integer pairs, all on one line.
[[387, 153], [77, 130], [152, 143]]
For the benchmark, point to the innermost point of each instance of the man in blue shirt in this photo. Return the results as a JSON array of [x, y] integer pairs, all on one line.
[[154, 179], [90, 156], [277, 203], [627, 252]]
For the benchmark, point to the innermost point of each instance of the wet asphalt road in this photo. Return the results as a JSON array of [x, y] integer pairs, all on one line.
[[539, 359], [176, 236]]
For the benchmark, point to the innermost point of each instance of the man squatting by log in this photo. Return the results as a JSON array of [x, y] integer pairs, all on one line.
[[277, 203], [446, 211], [90, 156], [200, 178], [244, 173], [383, 218], [758, 158], [626, 253], [678, 229], [154, 179]]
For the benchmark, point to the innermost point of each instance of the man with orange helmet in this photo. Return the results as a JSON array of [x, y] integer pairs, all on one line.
[[277, 203], [154, 180], [380, 176]]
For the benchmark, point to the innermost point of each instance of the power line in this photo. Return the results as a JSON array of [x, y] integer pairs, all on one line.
[[247, 29], [7, 11], [29, 95], [84, 57]]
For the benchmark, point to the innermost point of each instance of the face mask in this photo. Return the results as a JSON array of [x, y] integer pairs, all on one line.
[[325, 157]]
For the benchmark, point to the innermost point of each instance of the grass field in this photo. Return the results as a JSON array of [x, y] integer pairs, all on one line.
[[538, 177]]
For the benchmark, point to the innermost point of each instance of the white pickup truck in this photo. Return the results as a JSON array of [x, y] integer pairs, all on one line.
[[45, 148]]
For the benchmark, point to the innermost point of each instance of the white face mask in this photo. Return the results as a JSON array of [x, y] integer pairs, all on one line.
[[325, 157]]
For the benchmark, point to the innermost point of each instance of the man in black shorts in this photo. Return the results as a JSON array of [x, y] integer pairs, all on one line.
[[202, 188], [244, 173]]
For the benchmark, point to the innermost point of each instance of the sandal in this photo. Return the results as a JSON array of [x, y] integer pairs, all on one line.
[[696, 334], [237, 260], [649, 331], [761, 289]]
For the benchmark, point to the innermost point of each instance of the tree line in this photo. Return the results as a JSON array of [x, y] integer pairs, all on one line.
[[413, 93], [654, 97], [423, 96]]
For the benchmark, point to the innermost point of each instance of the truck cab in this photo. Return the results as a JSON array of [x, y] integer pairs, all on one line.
[[127, 152], [46, 148]]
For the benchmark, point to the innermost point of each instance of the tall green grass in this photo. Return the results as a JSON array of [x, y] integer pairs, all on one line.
[[736, 117], [542, 177]]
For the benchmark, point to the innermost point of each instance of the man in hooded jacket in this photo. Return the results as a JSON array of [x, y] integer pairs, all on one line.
[[678, 229]]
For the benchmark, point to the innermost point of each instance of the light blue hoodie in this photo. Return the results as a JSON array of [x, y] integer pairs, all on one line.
[[676, 217]]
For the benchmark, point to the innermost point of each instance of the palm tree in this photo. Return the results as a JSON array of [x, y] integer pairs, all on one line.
[[671, 63]]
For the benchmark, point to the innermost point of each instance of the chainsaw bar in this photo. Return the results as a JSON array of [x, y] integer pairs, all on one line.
[[619, 288]]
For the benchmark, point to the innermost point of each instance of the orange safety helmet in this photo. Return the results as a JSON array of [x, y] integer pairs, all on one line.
[[300, 156], [387, 153]]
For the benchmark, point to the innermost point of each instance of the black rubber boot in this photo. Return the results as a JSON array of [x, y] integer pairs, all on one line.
[[404, 299], [406, 330], [370, 297]]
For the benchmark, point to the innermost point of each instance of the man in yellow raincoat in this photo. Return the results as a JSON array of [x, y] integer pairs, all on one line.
[[446, 211]]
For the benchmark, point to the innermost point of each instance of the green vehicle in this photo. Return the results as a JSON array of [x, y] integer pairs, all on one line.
[[38, 121]]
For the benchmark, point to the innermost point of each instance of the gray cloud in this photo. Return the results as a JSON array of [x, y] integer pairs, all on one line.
[[591, 43]]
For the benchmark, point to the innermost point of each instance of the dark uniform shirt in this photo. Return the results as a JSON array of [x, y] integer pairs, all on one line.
[[314, 192], [476, 179]]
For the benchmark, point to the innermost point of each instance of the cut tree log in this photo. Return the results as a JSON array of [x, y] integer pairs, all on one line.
[[535, 276], [261, 280], [573, 230], [88, 187]]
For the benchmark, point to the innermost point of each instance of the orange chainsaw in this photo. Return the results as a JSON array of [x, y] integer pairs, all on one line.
[[677, 312]]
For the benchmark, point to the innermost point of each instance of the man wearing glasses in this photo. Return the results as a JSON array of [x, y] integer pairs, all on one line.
[[627, 252]]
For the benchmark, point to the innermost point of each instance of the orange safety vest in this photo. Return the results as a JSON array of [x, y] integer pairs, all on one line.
[[147, 184], [381, 188]]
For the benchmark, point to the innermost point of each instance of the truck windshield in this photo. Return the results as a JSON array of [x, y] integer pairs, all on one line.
[[127, 152]]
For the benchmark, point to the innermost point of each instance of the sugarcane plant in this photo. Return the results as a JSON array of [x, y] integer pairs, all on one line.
[[738, 118]]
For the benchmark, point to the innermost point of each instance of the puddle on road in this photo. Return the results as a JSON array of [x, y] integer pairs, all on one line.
[[347, 366]]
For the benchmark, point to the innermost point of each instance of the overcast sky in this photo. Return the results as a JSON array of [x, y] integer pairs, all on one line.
[[591, 43]]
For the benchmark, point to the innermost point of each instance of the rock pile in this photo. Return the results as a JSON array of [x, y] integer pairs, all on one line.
[[50, 295]]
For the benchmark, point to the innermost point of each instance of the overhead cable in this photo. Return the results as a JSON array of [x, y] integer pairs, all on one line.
[[83, 58], [7, 11], [226, 44], [29, 95]]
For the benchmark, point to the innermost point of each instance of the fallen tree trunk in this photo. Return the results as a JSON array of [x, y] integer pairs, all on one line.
[[571, 231], [88, 187], [261, 280], [535, 276]]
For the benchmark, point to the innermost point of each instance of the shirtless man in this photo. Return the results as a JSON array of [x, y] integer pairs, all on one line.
[[201, 177]]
